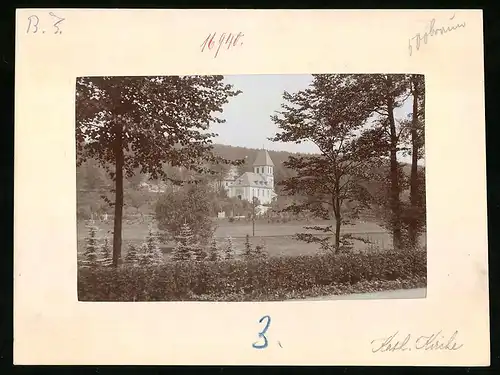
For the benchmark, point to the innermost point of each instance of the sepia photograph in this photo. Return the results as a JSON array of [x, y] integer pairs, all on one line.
[[251, 187], [251, 203]]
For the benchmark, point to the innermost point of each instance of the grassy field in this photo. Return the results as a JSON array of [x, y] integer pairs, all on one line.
[[277, 237]]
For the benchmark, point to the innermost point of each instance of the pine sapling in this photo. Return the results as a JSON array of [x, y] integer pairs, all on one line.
[[105, 258], [199, 253], [213, 252], [145, 258], [154, 251], [248, 252], [185, 244], [260, 251], [91, 249], [229, 249], [132, 257]]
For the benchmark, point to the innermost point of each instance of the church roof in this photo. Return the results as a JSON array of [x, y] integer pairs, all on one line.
[[251, 179], [263, 158]]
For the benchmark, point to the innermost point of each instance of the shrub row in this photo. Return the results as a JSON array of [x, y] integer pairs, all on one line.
[[364, 286], [261, 277]]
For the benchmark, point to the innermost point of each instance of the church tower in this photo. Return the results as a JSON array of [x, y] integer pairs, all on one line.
[[264, 166]]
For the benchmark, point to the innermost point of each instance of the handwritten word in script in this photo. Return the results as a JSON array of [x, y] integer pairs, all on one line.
[[433, 31], [226, 41], [428, 342], [38, 24]]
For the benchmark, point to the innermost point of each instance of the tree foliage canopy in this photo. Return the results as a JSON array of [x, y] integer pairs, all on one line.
[[141, 123], [330, 113], [189, 205], [162, 119]]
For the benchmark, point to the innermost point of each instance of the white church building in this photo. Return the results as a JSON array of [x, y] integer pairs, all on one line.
[[258, 184]]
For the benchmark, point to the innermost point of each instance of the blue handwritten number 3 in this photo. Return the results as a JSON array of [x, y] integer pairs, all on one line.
[[262, 334]]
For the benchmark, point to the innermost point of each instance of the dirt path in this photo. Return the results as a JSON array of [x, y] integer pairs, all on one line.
[[389, 294]]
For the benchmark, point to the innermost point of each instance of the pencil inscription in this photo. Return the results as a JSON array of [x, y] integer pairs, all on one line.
[[35, 27], [434, 341], [416, 40], [226, 40]]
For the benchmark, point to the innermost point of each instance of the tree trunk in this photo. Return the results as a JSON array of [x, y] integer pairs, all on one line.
[[338, 220], [119, 162], [394, 178], [412, 233]]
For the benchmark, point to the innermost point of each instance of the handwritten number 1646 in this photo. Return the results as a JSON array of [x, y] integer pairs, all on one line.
[[34, 24], [229, 40]]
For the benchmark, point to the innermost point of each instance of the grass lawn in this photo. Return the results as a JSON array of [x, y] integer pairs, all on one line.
[[263, 228], [277, 237]]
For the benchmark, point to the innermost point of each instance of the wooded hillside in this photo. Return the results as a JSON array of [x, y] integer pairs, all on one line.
[[93, 183]]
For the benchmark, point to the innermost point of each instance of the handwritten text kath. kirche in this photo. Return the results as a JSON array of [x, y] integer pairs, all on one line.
[[435, 341]]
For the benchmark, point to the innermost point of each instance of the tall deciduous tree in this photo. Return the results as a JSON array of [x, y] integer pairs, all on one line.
[[330, 113], [417, 146], [129, 123], [386, 92]]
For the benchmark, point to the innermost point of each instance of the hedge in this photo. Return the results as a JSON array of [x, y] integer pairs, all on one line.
[[364, 286], [263, 278]]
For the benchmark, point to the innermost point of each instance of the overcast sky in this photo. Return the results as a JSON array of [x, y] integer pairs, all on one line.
[[248, 115]]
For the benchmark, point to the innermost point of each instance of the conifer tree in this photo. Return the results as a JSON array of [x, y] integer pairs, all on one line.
[[154, 252], [144, 255], [186, 246], [132, 257], [260, 251], [248, 253], [90, 254], [213, 252], [105, 258], [229, 249], [199, 253]]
